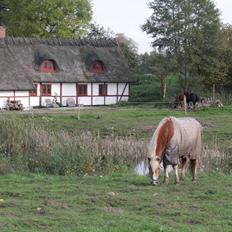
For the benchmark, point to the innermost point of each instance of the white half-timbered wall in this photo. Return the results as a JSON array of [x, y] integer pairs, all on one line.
[[23, 96], [116, 92]]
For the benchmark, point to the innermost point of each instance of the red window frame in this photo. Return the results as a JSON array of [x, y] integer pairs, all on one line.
[[46, 90], [97, 67], [82, 90], [47, 66], [34, 91], [103, 89]]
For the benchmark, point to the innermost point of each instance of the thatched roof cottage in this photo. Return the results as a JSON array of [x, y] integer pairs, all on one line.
[[37, 71]]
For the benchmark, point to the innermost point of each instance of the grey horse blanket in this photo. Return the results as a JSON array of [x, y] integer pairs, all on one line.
[[185, 142]]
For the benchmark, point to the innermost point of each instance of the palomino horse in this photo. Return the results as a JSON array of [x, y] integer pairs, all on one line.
[[174, 139]]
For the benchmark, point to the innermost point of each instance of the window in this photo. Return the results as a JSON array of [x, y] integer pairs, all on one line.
[[34, 91], [97, 67], [102, 89], [47, 66], [46, 90], [82, 90]]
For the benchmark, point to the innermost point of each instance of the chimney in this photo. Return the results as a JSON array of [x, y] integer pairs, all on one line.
[[2, 32]]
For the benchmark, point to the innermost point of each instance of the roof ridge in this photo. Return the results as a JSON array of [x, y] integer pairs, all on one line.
[[102, 42]]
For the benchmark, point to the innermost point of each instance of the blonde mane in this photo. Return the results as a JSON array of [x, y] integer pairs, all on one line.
[[161, 137]]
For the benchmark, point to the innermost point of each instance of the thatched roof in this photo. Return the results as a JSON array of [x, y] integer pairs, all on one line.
[[20, 59]]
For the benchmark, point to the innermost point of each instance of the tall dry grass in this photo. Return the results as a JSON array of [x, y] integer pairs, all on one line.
[[25, 147], [216, 157]]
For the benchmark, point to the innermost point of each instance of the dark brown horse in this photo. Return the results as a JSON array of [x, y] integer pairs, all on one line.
[[191, 98]]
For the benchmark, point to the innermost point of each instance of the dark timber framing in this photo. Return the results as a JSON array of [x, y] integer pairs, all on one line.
[[123, 92], [77, 103], [105, 89], [91, 93], [61, 93], [117, 93], [40, 95]]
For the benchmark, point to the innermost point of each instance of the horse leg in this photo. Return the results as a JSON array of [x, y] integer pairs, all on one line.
[[166, 176], [175, 167], [193, 169], [183, 167], [194, 105]]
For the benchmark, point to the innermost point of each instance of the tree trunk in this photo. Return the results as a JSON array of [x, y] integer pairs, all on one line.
[[162, 86]]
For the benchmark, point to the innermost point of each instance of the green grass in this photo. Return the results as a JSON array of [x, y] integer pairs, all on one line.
[[119, 202], [136, 121], [139, 121], [122, 202]]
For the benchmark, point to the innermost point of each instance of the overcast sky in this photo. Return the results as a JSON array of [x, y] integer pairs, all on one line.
[[127, 16]]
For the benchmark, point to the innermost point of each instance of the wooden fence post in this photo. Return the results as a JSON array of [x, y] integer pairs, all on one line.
[[214, 92], [164, 93], [185, 105], [78, 110]]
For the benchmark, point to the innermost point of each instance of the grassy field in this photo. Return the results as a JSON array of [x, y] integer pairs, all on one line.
[[119, 202], [133, 121], [138, 121]]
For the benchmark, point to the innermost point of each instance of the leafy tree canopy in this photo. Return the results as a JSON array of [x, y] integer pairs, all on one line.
[[96, 31], [3, 10], [47, 18], [129, 49], [189, 31], [227, 53]]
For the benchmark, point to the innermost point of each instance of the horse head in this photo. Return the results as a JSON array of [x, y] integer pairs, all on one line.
[[179, 98], [154, 169]]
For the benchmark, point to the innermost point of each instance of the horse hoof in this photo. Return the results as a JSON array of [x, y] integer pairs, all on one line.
[[176, 182], [165, 182]]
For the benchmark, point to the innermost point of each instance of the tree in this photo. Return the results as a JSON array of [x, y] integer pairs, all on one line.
[[227, 54], [3, 10], [96, 31], [129, 49], [47, 18], [158, 64], [189, 31]]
